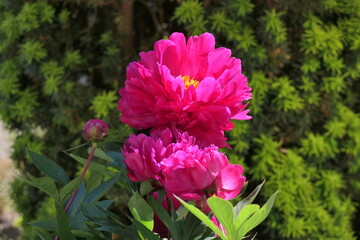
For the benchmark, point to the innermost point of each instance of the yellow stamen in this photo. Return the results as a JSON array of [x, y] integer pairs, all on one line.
[[190, 81]]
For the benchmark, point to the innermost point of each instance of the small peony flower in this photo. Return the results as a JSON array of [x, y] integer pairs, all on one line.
[[143, 154], [95, 130], [187, 84], [192, 173]]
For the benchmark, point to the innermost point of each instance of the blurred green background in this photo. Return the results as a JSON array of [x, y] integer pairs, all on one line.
[[63, 62]]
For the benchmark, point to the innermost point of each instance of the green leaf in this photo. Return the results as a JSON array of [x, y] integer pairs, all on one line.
[[44, 235], [103, 103], [101, 154], [93, 165], [76, 147], [244, 214], [257, 217], [141, 210], [25, 105], [32, 50], [223, 211], [94, 179], [63, 223], [127, 233], [199, 214], [82, 234], [118, 160], [92, 212], [110, 146], [145, 232], [49, 167], [248, 200], [79, 196], [182, 211], [192, 227], [100, 191], [45, 184], [161, 212], [69, 188], [104, 204], [145, 188], [72, 58], [49, 224]]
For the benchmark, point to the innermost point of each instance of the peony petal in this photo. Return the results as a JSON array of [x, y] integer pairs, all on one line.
[[208, 90], [230, 181]]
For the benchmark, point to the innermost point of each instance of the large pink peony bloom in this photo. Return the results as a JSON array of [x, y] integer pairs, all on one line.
[[190, 85], [192, 173]]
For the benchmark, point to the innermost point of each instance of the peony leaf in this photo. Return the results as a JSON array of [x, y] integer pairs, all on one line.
[[145, 232], [69, 188], [257, 217], [248, 200], [101, 154], [244, 214], [223, 211], [79, 196], [63, 223], [99, 191], [145, 188], [49, 167], [161, 212], [44, 235], [192, 227], [141, 211], [199, 214], [49, 224], [93, 165], [45, 184]]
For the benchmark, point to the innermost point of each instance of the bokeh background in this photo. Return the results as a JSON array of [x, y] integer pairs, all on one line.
[[62, 62]]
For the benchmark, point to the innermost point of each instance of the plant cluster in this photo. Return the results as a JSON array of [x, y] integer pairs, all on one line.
[[301, 59], [175, 167]]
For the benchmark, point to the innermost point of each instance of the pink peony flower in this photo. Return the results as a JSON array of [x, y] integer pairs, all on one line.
[[143, 154], [192, 173], [175, 162], [192, 85], [95, 130]]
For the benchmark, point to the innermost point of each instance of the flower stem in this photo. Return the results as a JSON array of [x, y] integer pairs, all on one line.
[[91, 155]]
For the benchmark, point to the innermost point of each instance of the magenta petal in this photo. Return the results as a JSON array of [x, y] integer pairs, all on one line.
[[201, 45], [242, 115], [230, 181], [208, 90]]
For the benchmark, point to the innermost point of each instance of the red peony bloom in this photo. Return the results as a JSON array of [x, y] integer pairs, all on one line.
[[190, 85]]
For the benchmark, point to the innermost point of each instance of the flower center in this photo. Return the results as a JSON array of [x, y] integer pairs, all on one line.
[[190, 81]]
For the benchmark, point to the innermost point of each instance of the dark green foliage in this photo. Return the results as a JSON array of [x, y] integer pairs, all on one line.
[[62, 62]]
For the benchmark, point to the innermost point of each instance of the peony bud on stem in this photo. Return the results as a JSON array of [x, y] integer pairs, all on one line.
[[95, 130]]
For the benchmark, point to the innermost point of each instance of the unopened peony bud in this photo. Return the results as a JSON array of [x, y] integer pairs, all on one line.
[[95, 130]]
